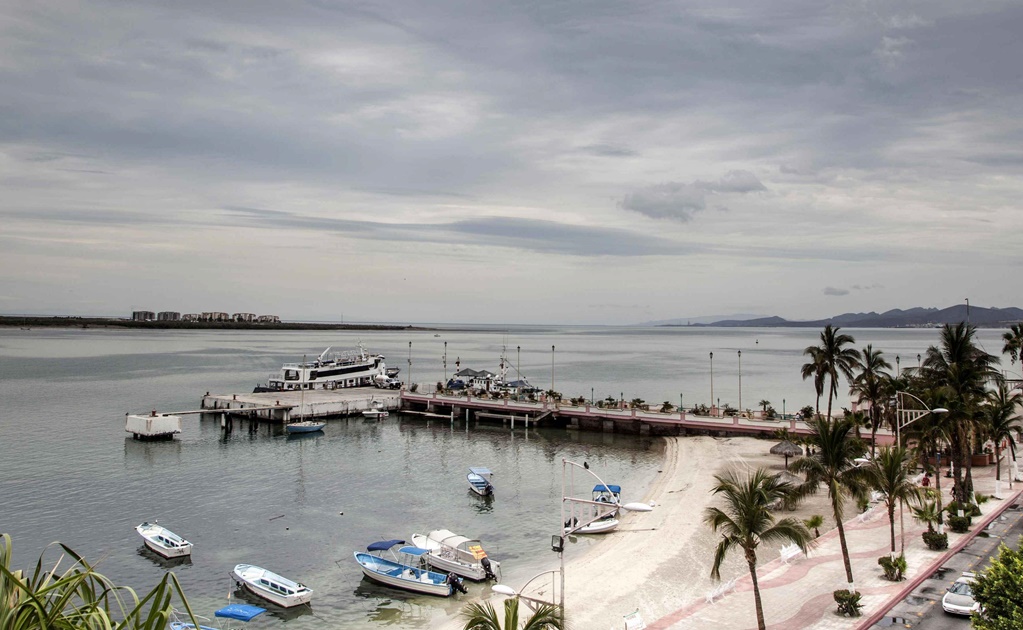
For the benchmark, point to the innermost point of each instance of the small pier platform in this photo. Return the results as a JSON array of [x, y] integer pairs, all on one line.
[[286, 406]]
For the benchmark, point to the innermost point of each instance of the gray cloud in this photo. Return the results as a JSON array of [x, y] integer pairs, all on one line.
[[681, 201], [834, 291]]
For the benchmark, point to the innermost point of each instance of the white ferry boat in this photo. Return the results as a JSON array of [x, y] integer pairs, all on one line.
[[330, 370]]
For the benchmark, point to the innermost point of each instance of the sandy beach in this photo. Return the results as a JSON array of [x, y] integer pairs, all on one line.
[[657, 562]]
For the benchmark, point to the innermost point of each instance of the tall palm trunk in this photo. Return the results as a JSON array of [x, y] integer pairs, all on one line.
[[937, 483], [751, 560], [891, 523], [998, 462], [835, 498]]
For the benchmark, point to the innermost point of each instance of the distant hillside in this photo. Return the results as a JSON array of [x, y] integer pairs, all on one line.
[[897, 318], [702, 319]]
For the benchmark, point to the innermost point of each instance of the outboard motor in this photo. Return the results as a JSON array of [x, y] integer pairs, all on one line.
[[456, 583], [487, 570]]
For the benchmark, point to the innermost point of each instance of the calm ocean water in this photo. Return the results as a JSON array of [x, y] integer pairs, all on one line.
[[303, 506]]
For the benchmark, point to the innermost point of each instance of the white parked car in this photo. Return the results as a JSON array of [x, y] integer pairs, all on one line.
[[959, 598]]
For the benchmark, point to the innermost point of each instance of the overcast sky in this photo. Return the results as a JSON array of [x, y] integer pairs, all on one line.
[[589, 162]]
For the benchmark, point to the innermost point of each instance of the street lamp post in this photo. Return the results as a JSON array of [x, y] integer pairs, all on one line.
[[740, 381], [900, 413], [445, 362], [591, 396], [680, 402], [552, 370], [410, 366], [711, 378]]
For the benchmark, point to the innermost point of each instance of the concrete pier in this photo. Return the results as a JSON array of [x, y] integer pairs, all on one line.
[[287, 406]]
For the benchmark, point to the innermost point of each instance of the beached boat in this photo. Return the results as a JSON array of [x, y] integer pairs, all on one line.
[[240, 612], [408, 570], [479, 481], [376, 411], [607, 499], [330, 370], [458, 554], [163, 541], [272, 587]]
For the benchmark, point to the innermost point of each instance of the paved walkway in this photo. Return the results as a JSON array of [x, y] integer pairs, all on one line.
[[798, 595]]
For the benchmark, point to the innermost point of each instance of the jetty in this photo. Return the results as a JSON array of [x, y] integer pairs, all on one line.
[[282, 407]]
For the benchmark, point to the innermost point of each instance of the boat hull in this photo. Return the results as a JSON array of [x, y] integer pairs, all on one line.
[[401, 576], [306, 426], [159, 549], [597, 527], [375, 414], [247, 576]]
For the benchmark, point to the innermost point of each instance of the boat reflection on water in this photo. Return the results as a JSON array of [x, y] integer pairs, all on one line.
[[294, 437], [164, 563], [149, 452], [240, 594], [397, 608], [480, 505]]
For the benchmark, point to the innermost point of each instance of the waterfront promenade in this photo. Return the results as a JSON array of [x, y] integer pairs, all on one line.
[[797, 595]]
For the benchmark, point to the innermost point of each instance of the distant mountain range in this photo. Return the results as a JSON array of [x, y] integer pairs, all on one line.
[[897, 318]]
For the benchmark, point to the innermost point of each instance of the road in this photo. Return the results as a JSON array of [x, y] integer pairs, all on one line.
[[921, 609]]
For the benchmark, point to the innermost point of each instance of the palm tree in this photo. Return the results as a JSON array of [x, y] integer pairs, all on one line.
[[746, 521], [869, 386], [833, 465], [482, 616], [889, 475], [929, 513], [1013, 343], [814, 368], [834, 358], [814, 523], [764, 404], [960, 369], [1001, 421]]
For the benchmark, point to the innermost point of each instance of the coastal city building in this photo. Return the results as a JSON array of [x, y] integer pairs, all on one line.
[[168, 316], [207, 316], [143, 316]]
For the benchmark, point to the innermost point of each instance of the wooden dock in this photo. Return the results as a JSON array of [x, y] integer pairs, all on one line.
[[286, 406]]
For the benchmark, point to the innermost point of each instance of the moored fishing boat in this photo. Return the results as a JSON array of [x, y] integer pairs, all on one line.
[[606, 499], [330, 370], [376, 411], [163, 541], [479, 481], [458, 554], [272, 587], [408, 570]]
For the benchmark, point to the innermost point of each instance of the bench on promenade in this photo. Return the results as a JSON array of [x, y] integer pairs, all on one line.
[[721, 591], [789, 552], [634, 622]]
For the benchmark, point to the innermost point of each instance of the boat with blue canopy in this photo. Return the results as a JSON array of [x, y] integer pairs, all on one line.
[[479, 481], [606, 500], [240, 612], [409, 569]]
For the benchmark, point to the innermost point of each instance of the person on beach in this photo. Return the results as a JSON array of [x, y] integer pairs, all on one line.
[[926, 481]]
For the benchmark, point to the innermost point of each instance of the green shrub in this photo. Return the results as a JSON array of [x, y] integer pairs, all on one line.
[[848, 602], [935, 541], [959, 524], [894, 569]]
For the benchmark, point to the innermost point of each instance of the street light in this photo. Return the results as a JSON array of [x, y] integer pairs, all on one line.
[[900, 413], [531, 602], [410, 366], [591, 396], [600, 510], [552, 370], [712, 378], [445, 362], [740, 381]]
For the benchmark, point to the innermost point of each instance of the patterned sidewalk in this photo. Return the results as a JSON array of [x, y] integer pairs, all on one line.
[[798, 595]]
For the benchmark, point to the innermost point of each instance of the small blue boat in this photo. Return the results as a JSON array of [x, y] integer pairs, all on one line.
[[241, 612], [305, 426], [409, 570]]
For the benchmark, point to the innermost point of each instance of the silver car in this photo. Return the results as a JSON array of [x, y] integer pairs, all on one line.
[[959, 598]]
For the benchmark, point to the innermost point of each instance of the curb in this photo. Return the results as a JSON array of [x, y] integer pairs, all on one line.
[[940, 560]]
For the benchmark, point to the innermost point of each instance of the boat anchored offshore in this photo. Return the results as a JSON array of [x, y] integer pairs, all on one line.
[[349, 368], [376, 411], [163, 541], [458, 554], [479, 481], [272, 587], [409, 570]]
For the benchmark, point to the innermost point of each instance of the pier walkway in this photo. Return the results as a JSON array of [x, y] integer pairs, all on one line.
[[590, 417]]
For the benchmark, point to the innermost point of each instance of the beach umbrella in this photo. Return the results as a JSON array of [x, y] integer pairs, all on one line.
[[788, 449]]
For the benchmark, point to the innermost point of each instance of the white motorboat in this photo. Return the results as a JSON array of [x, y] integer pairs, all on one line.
[[458, 554], [376, 411], [272, 587], [479, 481], [163, 541], [408, 570], [606, 500], [330, 370]]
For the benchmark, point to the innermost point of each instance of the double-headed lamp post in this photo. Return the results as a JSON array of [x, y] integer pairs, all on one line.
[[916, 414]]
